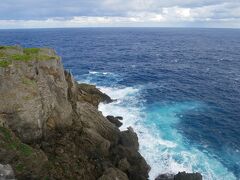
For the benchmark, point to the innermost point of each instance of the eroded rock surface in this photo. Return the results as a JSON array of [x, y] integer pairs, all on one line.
[[50, 127], [180, 176]]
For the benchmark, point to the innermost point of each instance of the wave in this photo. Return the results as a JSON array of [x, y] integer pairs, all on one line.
[[163, 147]]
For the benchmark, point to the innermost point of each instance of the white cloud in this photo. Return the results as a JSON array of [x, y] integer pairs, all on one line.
[[72, 13]]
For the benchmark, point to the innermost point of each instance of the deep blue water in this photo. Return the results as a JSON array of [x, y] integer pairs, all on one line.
[[178, 88]]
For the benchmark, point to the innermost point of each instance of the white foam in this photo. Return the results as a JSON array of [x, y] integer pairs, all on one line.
[[93, 72], [164, 155], [119, 93]]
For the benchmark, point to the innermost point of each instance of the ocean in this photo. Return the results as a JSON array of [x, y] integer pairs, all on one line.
[[179, 88]]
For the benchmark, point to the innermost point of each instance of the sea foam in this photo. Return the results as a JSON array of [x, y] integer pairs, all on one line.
[[163, 147]]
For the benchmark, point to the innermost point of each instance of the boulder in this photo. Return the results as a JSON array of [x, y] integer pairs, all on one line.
[[188, 176], [129, 139], [165, 177], [92, 95], [119, 118], [114, 121], [180, 176], [123, 164]]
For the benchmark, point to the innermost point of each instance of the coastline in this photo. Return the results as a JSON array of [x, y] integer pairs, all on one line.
[[50, 125]]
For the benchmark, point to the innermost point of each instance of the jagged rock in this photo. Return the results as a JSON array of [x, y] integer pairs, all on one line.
[[50, 127], [35, 91], [113, 174], [114, 120], [6, 172], [188, 176], [91, 94], [119, 117], [123, 164], [165, 177], [180, 176], [129, 139], [128, 148]]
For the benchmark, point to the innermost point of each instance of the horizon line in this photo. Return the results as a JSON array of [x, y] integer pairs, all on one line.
[[120, 27]]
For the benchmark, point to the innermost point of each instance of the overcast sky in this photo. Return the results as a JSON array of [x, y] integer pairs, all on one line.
[[119, 13]]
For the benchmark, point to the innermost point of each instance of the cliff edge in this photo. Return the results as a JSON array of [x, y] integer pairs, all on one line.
[[50, 127]]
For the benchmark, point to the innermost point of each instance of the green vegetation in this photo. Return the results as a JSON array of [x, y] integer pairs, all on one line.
[[4, 63], [21, 57], [6, 133], [31, 50], [25, 149], [10, 142], [28, 81], [19, 167], [8, 54]]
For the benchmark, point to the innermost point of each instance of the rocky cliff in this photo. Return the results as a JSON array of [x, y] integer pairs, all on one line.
[[50, 127]]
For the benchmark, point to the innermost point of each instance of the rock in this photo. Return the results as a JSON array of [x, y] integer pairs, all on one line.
[[188, 176], [114, 120], [50, 127], [92, 95], [91, 118], [180, 176], [165, 177], [129, 139], [123, 164], [35, 90], [25, 160], [113, 174], [6, 172], [119, 118], [127, 149]]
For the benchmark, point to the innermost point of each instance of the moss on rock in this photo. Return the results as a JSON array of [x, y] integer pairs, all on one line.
[[8, 54], [22, 157]]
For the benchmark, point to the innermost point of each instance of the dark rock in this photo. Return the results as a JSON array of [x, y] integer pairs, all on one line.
[[180, 176], [112, 173], [123, 164], [119, 118], [114, 120], [129, 139], [127, 150], [188, 176], [165, 177], [109, 117], [91, 94]]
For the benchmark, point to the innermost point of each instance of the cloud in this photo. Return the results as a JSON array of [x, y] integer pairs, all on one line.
[[82, 13]]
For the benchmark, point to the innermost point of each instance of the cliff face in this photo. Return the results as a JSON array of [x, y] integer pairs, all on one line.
[[50, 126]]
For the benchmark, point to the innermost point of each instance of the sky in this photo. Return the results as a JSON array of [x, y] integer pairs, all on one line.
[[119, 13]]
